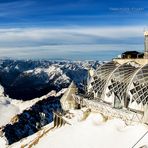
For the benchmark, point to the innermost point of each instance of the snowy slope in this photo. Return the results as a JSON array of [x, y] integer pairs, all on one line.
[[7, 110], [27, 104], [37, 113], [94, 134], [1, 91], [11, 107]]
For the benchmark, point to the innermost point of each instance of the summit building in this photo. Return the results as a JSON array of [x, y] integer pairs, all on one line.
[[120, 85]]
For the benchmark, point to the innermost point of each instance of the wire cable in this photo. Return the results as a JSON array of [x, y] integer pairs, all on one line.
[[140, 139]]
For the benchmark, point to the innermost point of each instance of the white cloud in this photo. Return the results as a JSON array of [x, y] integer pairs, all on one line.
[[55, 33], [42, 41]]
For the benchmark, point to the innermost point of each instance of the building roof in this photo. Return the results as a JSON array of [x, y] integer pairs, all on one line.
[[131, 52]]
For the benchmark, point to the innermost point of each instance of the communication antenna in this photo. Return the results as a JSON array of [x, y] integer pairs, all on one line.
[[146, 42]]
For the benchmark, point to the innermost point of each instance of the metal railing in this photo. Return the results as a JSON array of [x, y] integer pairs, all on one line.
[[107, 110]]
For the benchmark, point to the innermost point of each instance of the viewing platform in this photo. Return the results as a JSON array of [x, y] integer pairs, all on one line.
[[130, 117], [141, 61]]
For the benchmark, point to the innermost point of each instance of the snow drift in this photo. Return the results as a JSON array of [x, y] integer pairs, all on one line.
[[93, 133]]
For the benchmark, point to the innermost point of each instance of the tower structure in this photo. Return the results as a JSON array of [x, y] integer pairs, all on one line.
[[146, 44]]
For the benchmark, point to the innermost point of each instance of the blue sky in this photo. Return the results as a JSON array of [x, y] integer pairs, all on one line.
[[71, 29]]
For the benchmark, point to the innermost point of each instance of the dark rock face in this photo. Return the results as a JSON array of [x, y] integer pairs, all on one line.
[[30, 91], [30, 121], [76, 74], [16, 84]]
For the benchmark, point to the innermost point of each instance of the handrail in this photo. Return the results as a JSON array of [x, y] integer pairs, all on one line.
[[127, 115]]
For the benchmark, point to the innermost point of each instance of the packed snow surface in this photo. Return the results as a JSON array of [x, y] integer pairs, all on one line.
[[94, 133]]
